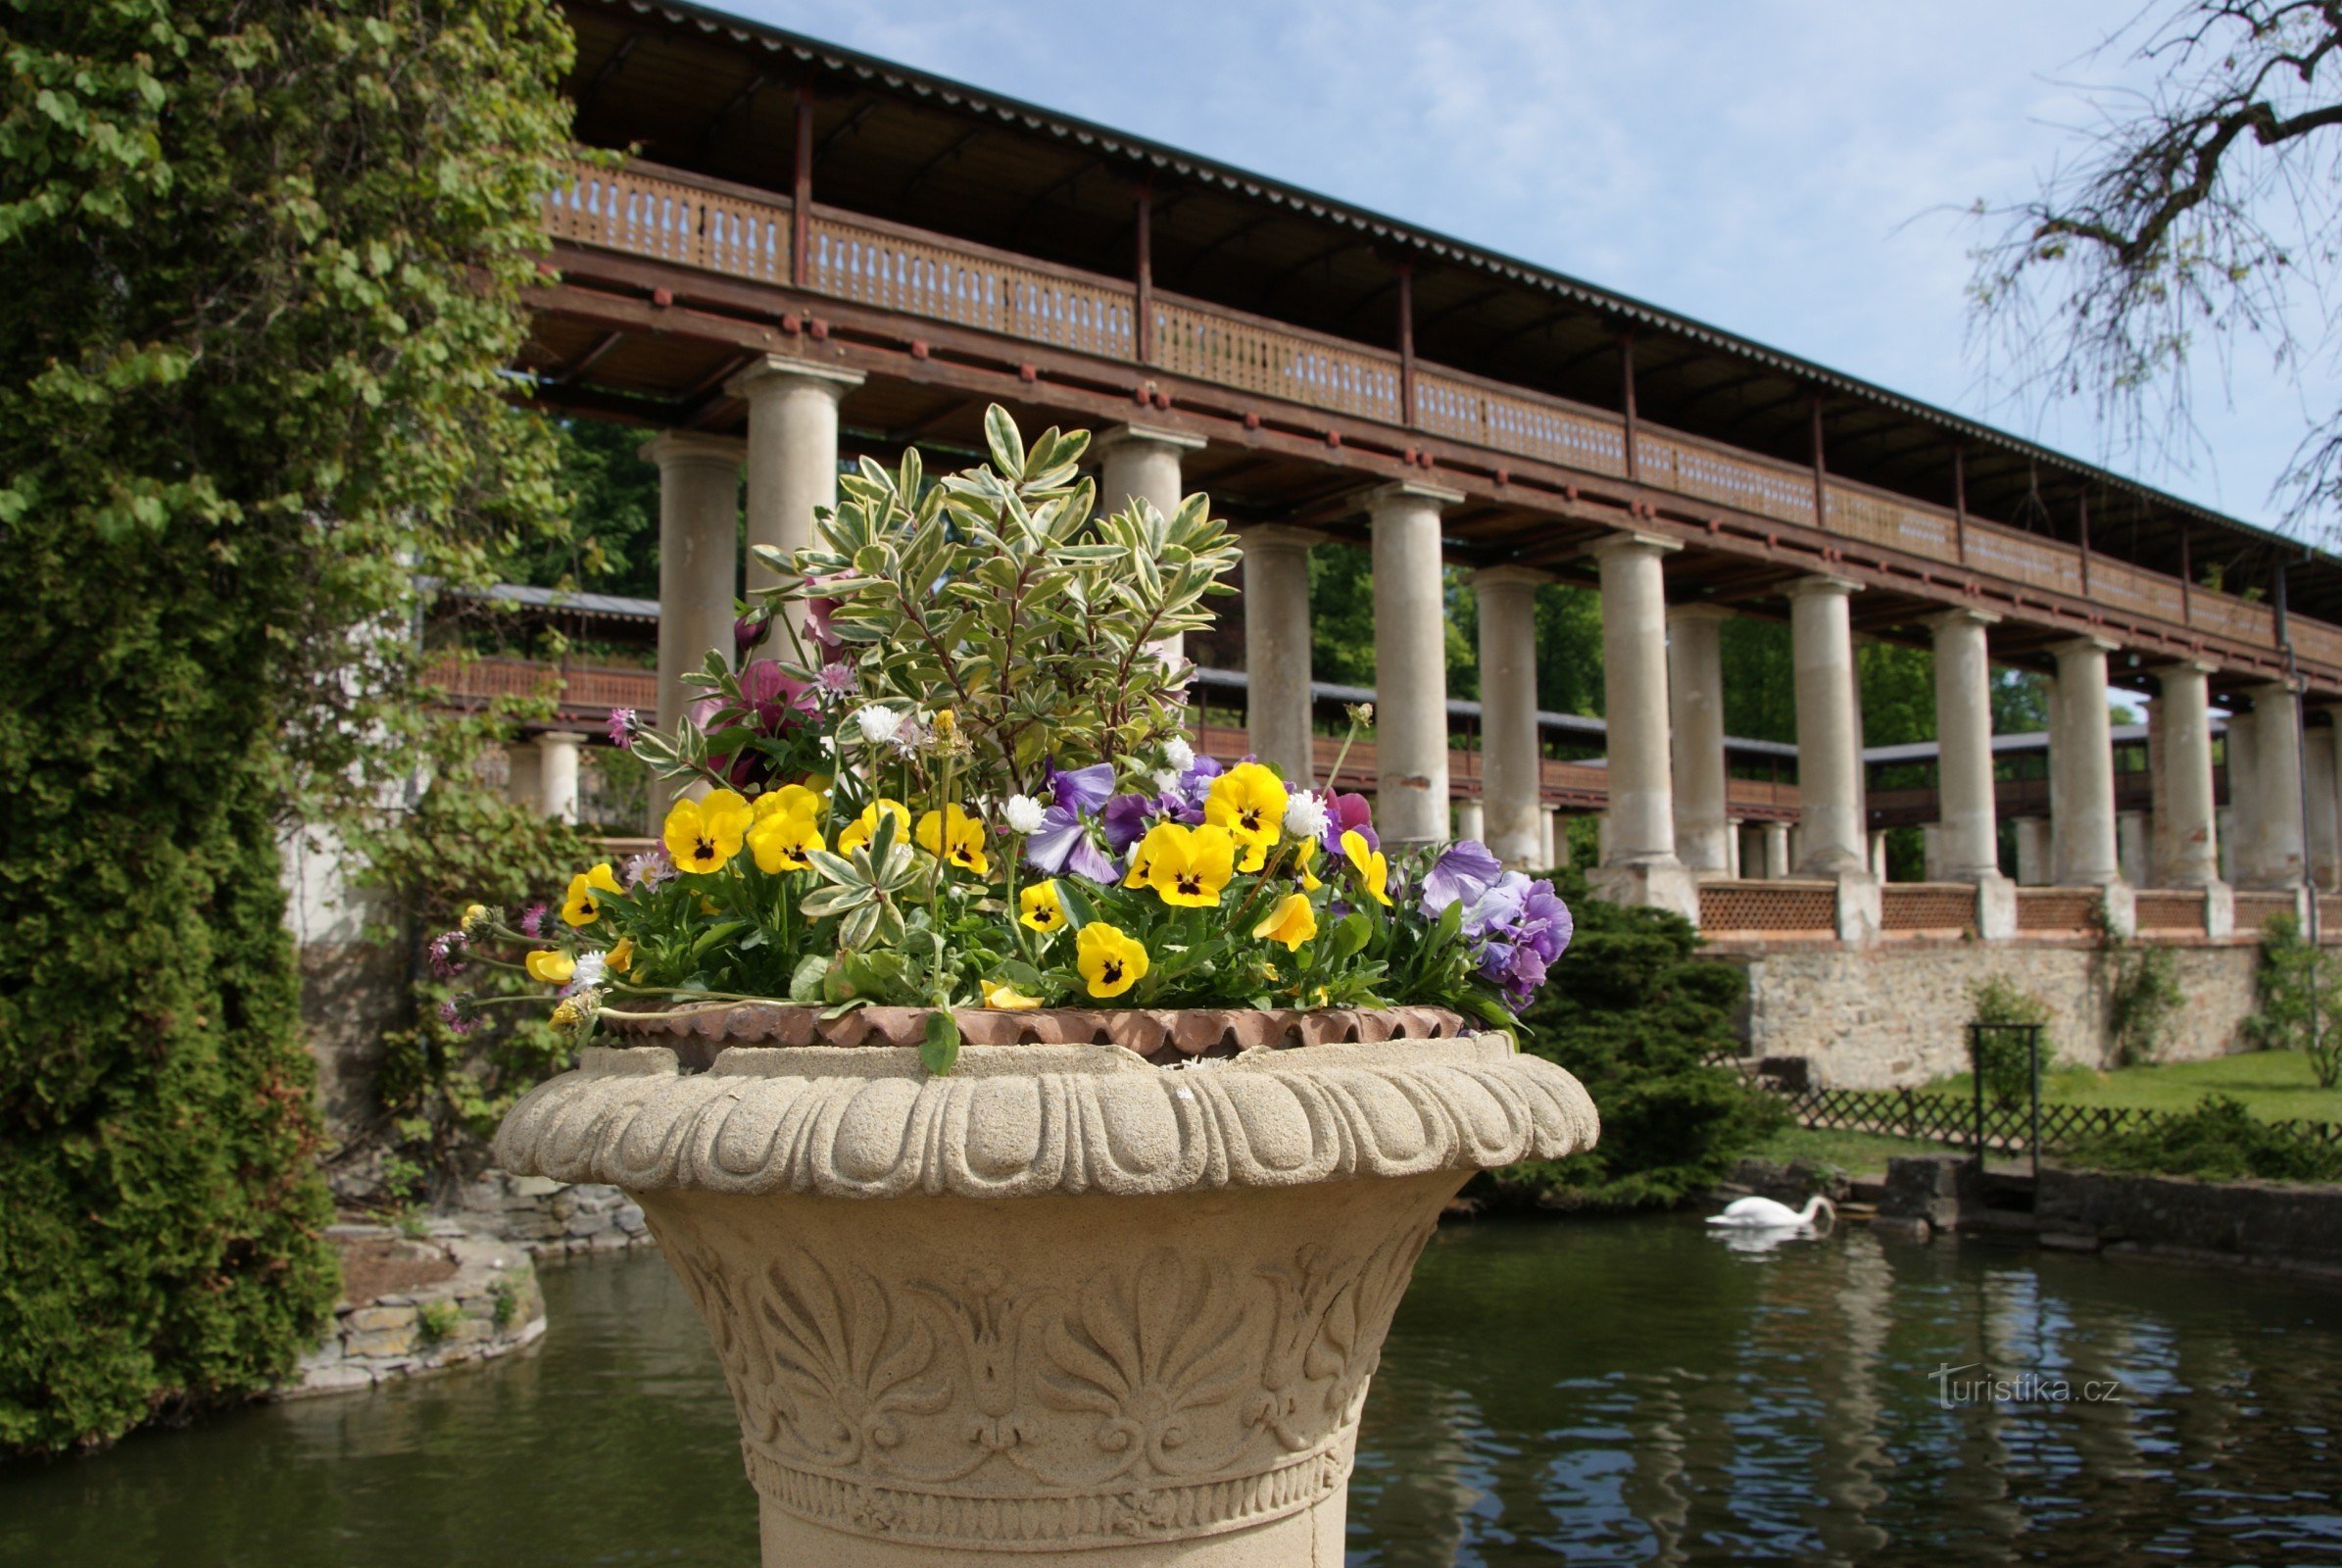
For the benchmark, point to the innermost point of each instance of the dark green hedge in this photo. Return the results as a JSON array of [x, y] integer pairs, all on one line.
[[1642, 1022], [161, 1217]]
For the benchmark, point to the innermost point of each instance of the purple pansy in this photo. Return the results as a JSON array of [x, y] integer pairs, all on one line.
[[1082, 790], [1127, 818], [1462, 871], [1348, 813], [1518, 928]]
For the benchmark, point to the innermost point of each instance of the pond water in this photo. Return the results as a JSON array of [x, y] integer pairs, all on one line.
[[1592, 1392]]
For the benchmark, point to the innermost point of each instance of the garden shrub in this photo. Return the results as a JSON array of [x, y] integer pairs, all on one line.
[[2219, 1140], [2292, 977], [1648, 1026], [264, 264], [2005, 1060]]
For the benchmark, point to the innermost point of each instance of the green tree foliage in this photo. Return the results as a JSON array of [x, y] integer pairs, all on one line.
[[2007, 1060], [613, 496], [263, 264], [2299, 1000], [1645, 1025]]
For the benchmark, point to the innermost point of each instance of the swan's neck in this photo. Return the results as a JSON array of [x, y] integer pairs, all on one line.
[[1813, 1208]]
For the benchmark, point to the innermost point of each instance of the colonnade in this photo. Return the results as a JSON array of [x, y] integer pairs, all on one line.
[[1668, 825]]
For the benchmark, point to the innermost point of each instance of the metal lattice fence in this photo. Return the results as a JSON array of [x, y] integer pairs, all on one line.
[[1951, 1119]]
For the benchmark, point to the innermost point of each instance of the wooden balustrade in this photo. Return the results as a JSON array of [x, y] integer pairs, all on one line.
[[643, 209], [583, 688]]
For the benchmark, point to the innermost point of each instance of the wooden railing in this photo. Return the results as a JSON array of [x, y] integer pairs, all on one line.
[[582, 689], [643, 210]]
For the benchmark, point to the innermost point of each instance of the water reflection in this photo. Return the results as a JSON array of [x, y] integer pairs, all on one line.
[[1596, 1392], [1662, 1398]]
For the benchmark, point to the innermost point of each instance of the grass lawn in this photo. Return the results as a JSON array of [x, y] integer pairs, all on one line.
[[1858, 1153], [2272, 1084]]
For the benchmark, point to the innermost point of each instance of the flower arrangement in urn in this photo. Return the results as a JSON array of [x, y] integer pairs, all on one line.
[[953, 774]]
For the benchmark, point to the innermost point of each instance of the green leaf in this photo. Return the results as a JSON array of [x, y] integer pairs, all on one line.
[[806, 984], [1007, 447], [1351, 937], [940, 1051]]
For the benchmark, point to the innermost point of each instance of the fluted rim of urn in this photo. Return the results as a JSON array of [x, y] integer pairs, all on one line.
[[1032, 1120]]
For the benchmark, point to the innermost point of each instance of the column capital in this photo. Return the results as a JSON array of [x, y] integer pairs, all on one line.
[[552, 739], [2183, 666], [1123, 435], [1277, 536], [1384, 495], [1626, 539], [1699, 611], [690, 446], [777, 370], [2084, 644], [1805, 587], [1964, 616], [1510, 577], [2270, 690]]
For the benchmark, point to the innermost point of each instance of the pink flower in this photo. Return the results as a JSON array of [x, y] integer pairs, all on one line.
[[621, 728], [532, 923]]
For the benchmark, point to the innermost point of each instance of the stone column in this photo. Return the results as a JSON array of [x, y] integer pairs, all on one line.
[[2270, 849], [1140, 463], [792, 452], [1878, 854], [698, 493], [1732, 846], [1777, 851], [1828, 736], [1639, 865], [1278, 715], [2083, 756], [2186, 827], [1511, 762], [556, 766], [1470, 822], [2321, 832], [1695, 712], [1549, 837], [1410, 660], [2032, 851], [2236, 824], [524, 784], [1930, 852], [1970, 825], [2131, 850]]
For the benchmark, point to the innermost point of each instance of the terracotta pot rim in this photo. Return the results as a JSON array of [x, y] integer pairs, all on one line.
[[1165, 1036]]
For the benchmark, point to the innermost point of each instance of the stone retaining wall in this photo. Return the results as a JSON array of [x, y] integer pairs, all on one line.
[[488, 1306], [1896, 1014], [2297, 1224], [551, 1218]]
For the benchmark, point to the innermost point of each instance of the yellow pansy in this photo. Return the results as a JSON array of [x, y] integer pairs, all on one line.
[[858, 832], [704, 835], [957, 837], [621, 957], [1249, 801], [788, 825], [1188, 867], [1374, 871], [1293, 922], [1305, 852], [1108, 960], [790, 799], [1007, 997], [1042, 909], [1142, 866], [550, 967], [581, 907]]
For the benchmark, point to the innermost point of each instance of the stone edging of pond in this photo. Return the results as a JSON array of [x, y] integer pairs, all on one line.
[[417, 1306]]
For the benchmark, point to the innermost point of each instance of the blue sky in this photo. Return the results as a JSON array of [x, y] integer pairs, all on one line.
[[1794, 171]]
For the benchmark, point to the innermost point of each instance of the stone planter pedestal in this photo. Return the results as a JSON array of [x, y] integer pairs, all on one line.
[[1060, 1303]]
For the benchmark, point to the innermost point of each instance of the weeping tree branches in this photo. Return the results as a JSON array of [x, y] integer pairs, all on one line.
[[2200, 216]]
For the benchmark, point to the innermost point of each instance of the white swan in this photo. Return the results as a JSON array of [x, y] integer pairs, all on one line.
[[1763, 1213]]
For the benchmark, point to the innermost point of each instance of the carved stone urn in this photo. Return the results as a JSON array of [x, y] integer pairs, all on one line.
[[1062, 1301]]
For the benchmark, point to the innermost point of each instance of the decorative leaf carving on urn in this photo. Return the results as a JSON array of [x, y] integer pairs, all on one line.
[[1147, 1350], [849, 1370]]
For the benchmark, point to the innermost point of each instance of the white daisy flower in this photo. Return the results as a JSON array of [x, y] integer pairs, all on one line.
[[1023, 814], [1305, 815], [879, 725]]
